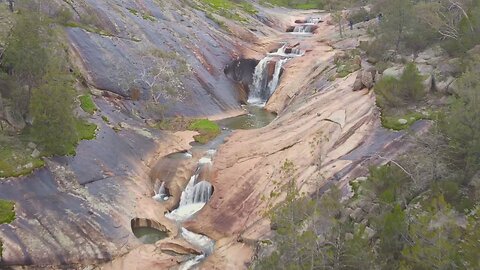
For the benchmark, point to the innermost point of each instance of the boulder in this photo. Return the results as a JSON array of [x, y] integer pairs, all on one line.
[[358, 84], [357, 214], [367, 78], [341, 55], [369, 232], [452, 67], [427, 72], [35, 153], [14, 119], [31, 145], [395, 72], [443, 85], [475, 51], [402, 121]]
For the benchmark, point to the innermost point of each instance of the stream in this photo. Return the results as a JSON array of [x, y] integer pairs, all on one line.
[[198, 190]]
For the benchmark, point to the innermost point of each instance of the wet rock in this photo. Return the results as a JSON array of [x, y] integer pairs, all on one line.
[[241, 70]]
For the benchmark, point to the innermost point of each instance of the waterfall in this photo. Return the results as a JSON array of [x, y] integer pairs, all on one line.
[[272, 85], [196, 193], [260, 80], [262, 89]]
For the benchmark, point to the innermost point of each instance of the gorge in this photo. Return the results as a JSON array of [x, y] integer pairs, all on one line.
[[142, 197]]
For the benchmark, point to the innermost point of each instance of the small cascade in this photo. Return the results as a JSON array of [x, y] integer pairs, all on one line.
[[199, 241], [303, 29], [272, 85], [314, 20], [286, 51], [161, 195], [196, 193]]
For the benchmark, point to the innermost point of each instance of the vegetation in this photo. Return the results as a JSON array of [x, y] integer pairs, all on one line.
[[421, 209], [38, 89], [7, 215], [86, 103], [395, 96], [208, 130]]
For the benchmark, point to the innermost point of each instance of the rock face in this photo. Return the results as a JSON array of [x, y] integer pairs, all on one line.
[[140, 36], [78, 210]]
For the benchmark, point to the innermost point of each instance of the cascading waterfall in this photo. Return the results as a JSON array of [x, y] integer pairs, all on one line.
[[261, 88], [272, 85], [260, 82], [193, 199]]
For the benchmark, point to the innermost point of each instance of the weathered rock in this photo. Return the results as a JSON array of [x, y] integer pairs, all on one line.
[[427, 72], [180, 247], [452, 67], [475, 51], [367, 79], [402, 121], [357, 214], [31, 145], [395, 72], [358, 84], [442, 86], [35, 153], [14, 119], [369, 232], [340, 55]]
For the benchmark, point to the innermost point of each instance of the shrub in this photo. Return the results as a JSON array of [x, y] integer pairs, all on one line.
[[396, 93]]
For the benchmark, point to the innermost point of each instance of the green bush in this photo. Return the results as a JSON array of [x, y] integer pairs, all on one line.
[[397, 93]]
